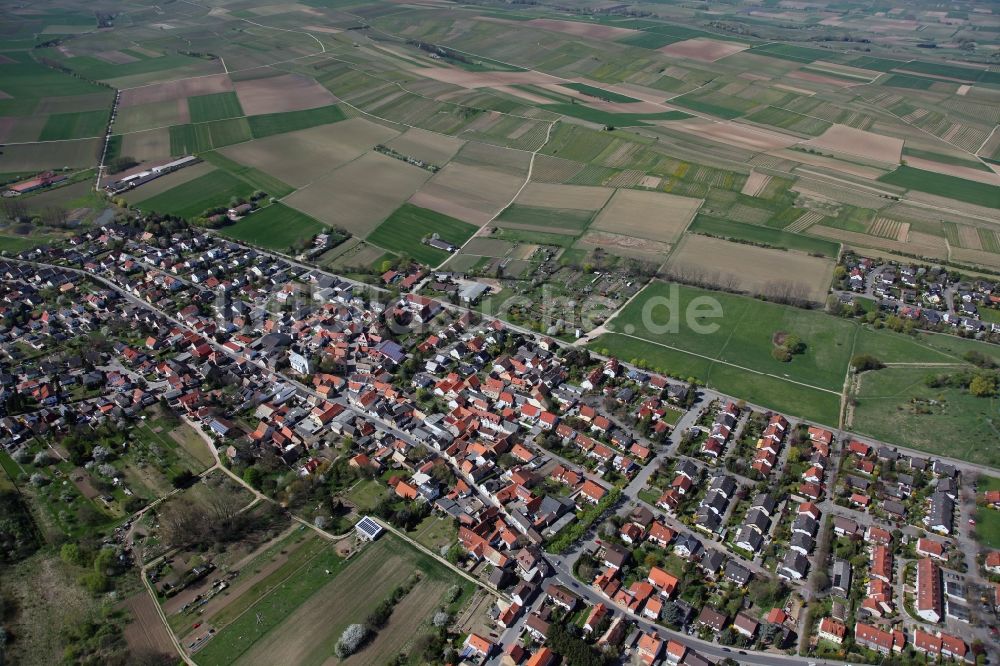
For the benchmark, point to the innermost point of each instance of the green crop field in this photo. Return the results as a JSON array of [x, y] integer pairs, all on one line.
[[970, 191], [277, 227], [217, 106], [194, 197], [908, 81], [558, 218], [279, 123], [794, 53], [714, 226], [81, 125], [651, 40], [201, 137], [723, 106], [599, 93], [404, 230], [24, 78], [255, 177]]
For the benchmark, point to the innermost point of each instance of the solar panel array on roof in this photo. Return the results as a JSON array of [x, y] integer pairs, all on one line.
[[368, 528]]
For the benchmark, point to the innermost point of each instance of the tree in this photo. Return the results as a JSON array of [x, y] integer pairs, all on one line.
[[353, 638], [70, 554], [183, 478], [863, 362], [983, 386]]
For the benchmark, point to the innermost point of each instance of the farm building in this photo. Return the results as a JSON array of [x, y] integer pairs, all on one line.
[[368, 529], [36, 183]]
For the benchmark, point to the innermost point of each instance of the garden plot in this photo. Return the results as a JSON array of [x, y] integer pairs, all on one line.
[[650, 215], [361, 194], [299, 158]]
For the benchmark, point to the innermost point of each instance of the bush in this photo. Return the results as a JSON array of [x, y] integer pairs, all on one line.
[[353, 638], [863, 362], [38, 480]]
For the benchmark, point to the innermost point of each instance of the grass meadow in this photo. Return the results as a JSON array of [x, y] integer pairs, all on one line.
[[194, 197], [969, 191], [276, 227], [405, 229]]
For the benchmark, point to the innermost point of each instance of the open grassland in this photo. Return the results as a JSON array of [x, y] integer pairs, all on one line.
[[277, 227], [405, 229], [753, 269], [215, 106], [194, 197], [652, 215], [278, 123], [961, 189], [896, 405]]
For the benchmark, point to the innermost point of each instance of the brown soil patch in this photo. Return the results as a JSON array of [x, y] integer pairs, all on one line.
[[471, 193], [731, 133], [829, 163], [954, 170], [81, 479], [299, 158], [655, 216], [287, 92], [844, 139], [826, 80], [460, 77], [752, 268], [150, 146], [703, 48], [161, 92], [115, 57], [652, 182], [359, 195], [145, 631], [428, 146], [919, 244], [577, 29], [341, 601], [756, 182], [6, 125], [576, 197], [624, 246], [415, 609]]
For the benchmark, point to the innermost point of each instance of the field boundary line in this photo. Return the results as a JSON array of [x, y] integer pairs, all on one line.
[[527, 179], [733, 365]]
